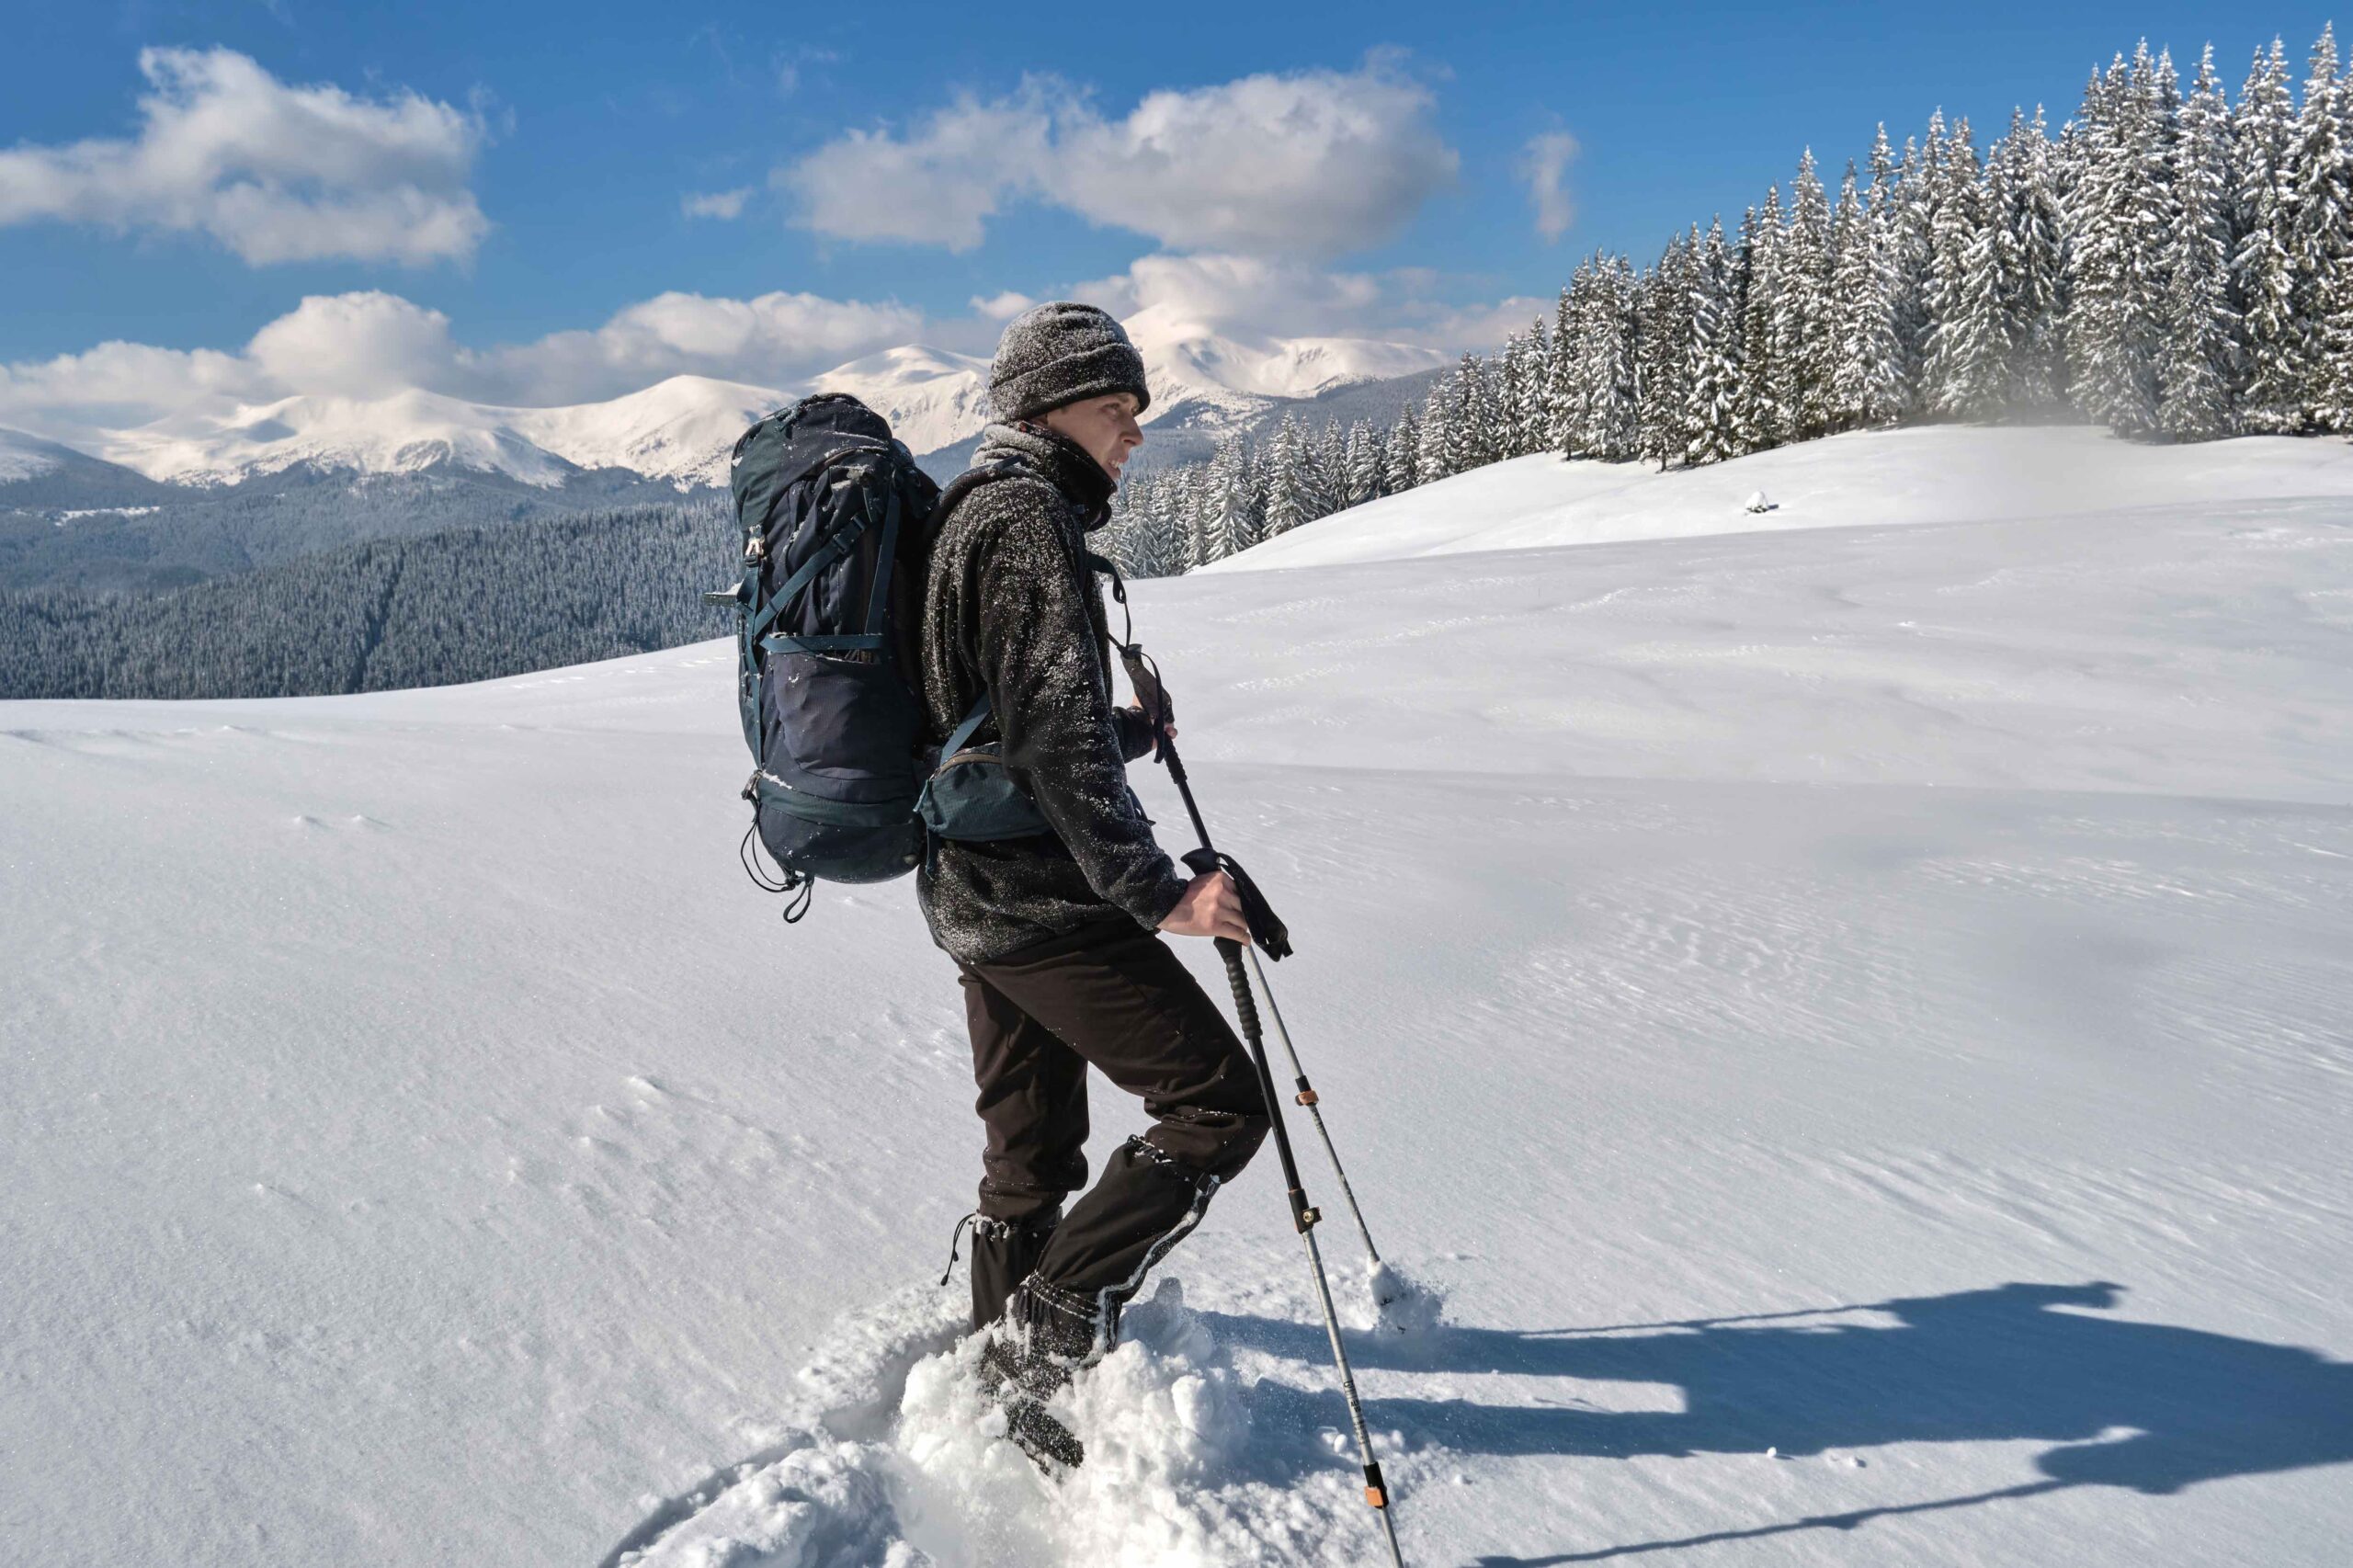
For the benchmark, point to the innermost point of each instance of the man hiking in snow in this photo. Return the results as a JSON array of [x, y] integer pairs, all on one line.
[[1055, 934]]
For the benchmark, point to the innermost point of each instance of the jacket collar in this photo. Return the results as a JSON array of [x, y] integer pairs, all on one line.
[[1057, 460]]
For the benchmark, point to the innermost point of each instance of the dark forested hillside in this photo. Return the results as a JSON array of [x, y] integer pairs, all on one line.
[[175, 535], [427, 610]]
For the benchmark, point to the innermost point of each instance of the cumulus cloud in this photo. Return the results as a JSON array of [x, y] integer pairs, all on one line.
[[1544, 165], [721, 204], [1316, 162], [1244, 294], [939, 186], [1002, 307], [770, 340], [374, 344], [275, 173], [1166, 296], [367, 344], [116, 385]]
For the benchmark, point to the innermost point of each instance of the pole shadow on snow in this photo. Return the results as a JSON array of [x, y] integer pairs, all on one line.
[[2015, 1362]]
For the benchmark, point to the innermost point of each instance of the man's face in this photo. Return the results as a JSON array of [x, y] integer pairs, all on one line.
[[1105, 426]]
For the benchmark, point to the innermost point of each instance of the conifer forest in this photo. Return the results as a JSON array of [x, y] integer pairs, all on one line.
[[2171, 263]]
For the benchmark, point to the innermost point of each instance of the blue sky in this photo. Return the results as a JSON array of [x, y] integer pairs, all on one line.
[[554, 147]]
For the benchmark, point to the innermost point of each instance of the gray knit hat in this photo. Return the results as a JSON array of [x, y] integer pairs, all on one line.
[[1057, 353]]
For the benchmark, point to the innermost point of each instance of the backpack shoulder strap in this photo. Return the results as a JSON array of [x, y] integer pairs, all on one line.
[[964, 484]]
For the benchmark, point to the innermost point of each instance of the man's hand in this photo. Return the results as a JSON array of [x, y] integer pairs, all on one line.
[[1211, 907], [1168, 730]]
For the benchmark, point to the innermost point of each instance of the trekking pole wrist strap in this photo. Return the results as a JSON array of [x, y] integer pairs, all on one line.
[[1266, 928]]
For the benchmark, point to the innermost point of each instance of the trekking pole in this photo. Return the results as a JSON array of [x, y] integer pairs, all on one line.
[[1306, 1095], [1268, 930]]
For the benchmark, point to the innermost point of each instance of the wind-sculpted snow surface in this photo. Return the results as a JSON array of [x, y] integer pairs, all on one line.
[[1854, 1021]]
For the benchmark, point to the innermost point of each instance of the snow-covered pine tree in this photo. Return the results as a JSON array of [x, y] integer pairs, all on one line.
[[2263, 276], [1507, 381], [1328, 469], [2038, 376], [1535, 432], [1253, 469], [1710, 415], [2320, 235], [1164, 537], [1953, 227], [1475, 415], [1611, 412], [1764, 417], [1286, 505], [1364, 454], [1564, 388], [1188, 508], [1440, 449], [1877, 329], [1663, 353], [2198, 348], [2116, 229], [1805, 343], [1230, 526], [1917, 188], [1976, 348], [1852, 281], [1402, 456]]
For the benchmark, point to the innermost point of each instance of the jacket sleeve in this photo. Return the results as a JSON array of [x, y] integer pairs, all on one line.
[[1036, 649]]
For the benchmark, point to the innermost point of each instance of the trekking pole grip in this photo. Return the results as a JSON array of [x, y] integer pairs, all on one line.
[[1245, 1006]]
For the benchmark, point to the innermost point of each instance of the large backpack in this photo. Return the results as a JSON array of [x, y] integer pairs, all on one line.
[[836, 523]]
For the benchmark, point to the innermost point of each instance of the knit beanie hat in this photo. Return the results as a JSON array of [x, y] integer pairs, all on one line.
[[1058, 353]]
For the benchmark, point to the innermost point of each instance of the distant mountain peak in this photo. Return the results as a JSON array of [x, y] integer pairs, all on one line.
[[681, 430]]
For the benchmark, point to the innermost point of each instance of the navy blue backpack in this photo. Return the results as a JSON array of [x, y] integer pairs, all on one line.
[[837, 526]]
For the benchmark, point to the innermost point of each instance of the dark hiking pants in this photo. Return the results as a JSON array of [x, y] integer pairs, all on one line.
[[1111, 996]]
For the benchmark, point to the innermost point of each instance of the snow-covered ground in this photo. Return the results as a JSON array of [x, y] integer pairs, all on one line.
[[1935, 474], [1854, 1021]]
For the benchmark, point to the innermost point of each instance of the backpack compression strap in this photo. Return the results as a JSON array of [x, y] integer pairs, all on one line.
[[876, 602]]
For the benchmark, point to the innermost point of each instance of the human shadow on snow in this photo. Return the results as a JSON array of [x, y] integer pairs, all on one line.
[[2146, 1406]]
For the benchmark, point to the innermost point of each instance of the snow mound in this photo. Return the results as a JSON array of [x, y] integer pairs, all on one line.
[[1384, 1300], [1177, 1474]]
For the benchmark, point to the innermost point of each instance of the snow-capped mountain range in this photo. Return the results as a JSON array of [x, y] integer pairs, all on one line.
[[680, 430]]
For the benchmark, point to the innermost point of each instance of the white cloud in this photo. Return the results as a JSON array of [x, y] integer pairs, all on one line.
[[1002, 307], [116, 385], [722, 204], [767, 340], [374, 344], [1544, 165], [275, 173], [1315, 163], [939, 187], [1166, 296], [367, 344]]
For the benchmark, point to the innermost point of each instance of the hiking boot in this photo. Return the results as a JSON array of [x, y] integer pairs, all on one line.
[[1046, 1336]]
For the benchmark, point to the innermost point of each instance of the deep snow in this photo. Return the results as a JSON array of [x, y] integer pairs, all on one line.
[[1853, 1020]]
